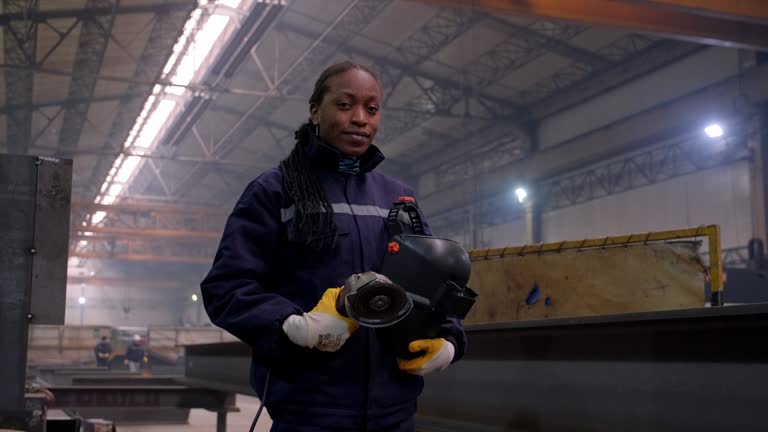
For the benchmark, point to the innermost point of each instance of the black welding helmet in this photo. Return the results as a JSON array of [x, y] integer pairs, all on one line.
[[432, 271]]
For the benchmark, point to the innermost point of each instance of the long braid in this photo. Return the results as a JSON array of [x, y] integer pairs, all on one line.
[[314, 216]]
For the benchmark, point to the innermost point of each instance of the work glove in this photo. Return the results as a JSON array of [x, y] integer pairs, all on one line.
[[322, 327], [438, 355]]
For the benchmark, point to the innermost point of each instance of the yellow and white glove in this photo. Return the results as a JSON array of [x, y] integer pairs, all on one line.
[[322, 327], [438, 355]]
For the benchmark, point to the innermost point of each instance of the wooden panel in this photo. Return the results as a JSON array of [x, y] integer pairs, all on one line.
[[639, 278]]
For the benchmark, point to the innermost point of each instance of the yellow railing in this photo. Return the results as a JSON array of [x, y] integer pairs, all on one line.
[[712, 232]]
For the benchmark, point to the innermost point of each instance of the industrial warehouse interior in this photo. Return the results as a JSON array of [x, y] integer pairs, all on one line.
[[601, 167]]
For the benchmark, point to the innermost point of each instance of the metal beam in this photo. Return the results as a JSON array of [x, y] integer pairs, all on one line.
[[146, 207], [36, 16], [124, 283], [747, 10], [130, 232], [654, 371], [352, 20], [184, 259], [91, 47], [103, 396], [20, 48], [634, 16], [14, 108], [164, 34], [534, 375], [607, 142]]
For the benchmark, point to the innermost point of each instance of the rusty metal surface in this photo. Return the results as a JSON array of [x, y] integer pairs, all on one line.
[[51, 241], [17, 201]]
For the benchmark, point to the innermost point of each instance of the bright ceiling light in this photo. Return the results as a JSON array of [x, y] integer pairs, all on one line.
[[714, 130], [98, 217], [126, 170], [194, 297], [521, 194], [81, 300], [115, 189], [83, 243]]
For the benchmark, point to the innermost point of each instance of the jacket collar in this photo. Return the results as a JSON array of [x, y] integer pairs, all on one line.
[[328, 157]]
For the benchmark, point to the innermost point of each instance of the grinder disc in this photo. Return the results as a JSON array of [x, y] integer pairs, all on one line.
[[378, 304]]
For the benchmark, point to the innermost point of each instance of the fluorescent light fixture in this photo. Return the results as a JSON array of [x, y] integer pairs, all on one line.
[[714, 130], [189, 53], [155, 123], [98, 217], [83, 243], [126, 170], [194, 297], [521, 194], [81, 300], [115, 189]]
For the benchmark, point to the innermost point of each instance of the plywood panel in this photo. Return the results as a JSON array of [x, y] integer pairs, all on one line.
[[639, 278]]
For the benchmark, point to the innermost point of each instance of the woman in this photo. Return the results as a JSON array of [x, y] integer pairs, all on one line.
[[299, 229]]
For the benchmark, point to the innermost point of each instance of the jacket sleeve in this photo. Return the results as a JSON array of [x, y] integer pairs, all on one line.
[[236, 292], [452, 329]]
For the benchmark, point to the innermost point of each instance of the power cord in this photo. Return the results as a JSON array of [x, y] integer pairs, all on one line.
[[263, 398]]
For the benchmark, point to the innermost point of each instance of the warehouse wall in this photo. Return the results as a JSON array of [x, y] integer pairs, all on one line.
[[715, 196]]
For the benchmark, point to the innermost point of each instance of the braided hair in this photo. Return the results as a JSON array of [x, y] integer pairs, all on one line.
[[313, 213]]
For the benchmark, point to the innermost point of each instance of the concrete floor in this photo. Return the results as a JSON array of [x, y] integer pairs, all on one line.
[[204, 421]]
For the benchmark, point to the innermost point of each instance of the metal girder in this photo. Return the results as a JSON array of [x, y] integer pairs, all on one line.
[[91, 46], [165, 31], [553, 44], [519, 50], [747, 10], [132, 232], [572, 75], [125, 283], [147, 250], [653, 371], [550, 98], [435, 34], [351, 21], [104, 396], [646, 17], [29, 106], [660, 163], [20, 46], [88, 12], [143, 209], [641, 169], [439, 95], [392, 70], [632, 133]]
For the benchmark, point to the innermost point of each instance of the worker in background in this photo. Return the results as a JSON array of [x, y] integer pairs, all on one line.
[[134, 354], [103, 352], [299, 229]]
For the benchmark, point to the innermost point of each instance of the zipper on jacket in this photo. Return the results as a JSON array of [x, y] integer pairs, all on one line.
[[367, 360]]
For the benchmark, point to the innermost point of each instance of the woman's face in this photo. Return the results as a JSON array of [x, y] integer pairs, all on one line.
[[348, 115]]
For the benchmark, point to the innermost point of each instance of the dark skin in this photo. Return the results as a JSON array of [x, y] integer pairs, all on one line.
[[348, 116]]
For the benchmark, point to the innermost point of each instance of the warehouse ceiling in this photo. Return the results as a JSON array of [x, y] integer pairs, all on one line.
[[459, 84]]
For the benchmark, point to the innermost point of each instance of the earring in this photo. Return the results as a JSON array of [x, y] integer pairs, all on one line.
[[317, 129]]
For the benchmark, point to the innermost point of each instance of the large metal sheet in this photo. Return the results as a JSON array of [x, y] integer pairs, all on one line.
[[684, 370], [51, 241], [17, 204]]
